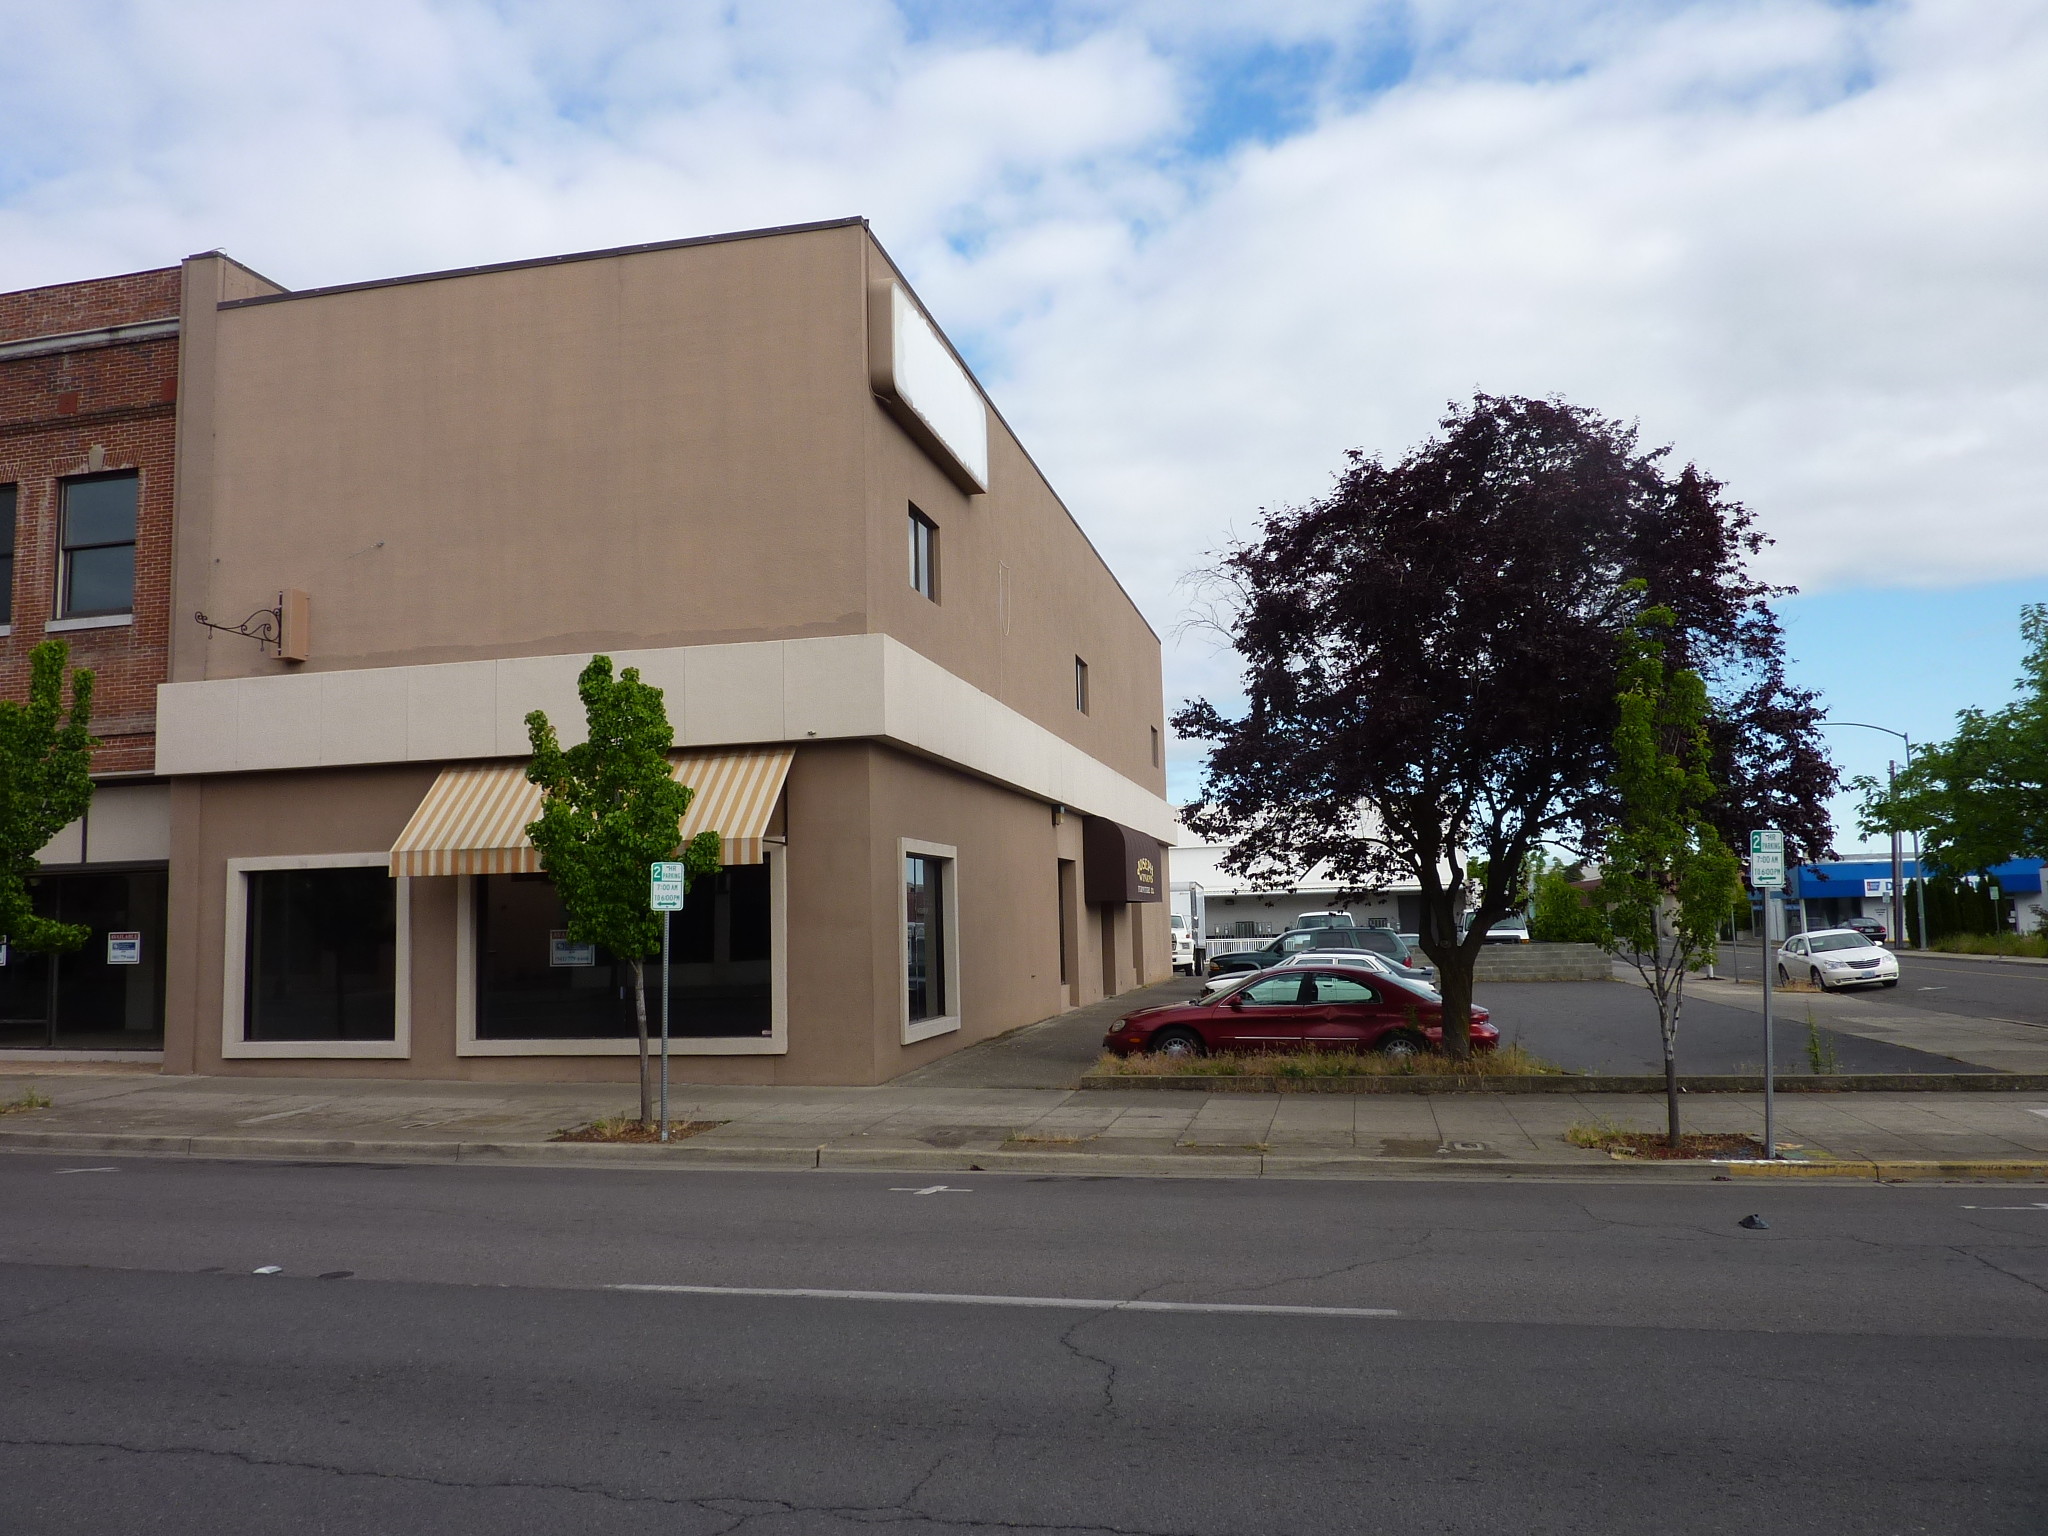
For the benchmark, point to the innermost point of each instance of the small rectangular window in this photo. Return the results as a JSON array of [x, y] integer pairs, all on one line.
[[924, 917], [96, 569], [7, 505], [1155, 746], [1081, 685], [924, 554]]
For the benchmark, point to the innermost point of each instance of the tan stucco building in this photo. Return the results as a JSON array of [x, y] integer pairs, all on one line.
[[916, 704]]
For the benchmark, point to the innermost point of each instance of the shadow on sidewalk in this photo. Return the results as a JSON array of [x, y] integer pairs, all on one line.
[[1052, 1053]]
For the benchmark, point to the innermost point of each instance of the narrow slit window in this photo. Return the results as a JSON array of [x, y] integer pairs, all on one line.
[[1081, 685], [7, 505], [924, 555], [1155, 746]]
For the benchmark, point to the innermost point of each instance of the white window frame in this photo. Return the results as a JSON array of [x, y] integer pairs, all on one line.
[[776, 1043], [234, 976], [949, 908]]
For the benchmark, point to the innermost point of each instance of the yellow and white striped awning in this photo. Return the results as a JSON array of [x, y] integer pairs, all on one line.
[[473, 821]]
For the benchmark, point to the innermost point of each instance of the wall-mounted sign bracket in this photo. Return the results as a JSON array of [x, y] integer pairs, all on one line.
[[283, 630]]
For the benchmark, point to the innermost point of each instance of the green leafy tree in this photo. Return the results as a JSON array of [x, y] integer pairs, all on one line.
[[1981, 797], [45, 785], [1559, 912], [1667, 878], [610, 807]]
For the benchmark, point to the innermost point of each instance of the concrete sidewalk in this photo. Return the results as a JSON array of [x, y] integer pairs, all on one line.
[[919, 1127]]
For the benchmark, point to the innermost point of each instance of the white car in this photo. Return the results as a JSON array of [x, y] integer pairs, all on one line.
[[1183, 943], [1832, 958], [1356, 959]]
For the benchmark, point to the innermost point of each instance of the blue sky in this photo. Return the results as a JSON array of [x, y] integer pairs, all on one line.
[[1198, 249]]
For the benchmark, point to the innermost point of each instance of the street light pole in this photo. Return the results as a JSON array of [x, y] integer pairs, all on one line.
[[1919, 872]]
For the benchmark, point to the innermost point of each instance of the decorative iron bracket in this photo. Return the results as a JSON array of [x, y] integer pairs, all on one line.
[[265, 626]]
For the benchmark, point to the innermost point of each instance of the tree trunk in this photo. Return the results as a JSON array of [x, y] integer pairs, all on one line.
[[1671, 1132], [640, 1018], [1454, 981]]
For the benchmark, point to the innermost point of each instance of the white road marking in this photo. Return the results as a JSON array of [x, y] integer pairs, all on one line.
[[2036, 1109], [88, 1170], [268, 1269], [934, 1189], [1930, 989], [1069, 1303], [2038, 1205]]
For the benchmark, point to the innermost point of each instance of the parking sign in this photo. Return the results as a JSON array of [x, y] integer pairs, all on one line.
[[1767, 860], [665, 887]]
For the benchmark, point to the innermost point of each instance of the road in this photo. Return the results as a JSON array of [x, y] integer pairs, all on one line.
[[1526, 1358], [1943, 984]]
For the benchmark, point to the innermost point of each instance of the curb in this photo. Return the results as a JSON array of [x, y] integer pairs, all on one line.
[[1892, 1172], [1844, 1082], [683, 1156]]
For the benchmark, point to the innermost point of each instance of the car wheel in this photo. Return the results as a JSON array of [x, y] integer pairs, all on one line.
[[1400, 1047], [1819, 980], [1178, 1045], [1783, 974], [1891, 983]]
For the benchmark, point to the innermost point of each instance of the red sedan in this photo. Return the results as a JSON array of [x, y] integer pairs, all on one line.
[[1298, 1010]]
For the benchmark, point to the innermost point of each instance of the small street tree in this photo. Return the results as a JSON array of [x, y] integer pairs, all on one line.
[[1668, 879], [45, 784], [610, 807]]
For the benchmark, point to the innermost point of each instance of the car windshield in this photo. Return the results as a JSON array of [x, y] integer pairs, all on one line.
[[1821, 943]]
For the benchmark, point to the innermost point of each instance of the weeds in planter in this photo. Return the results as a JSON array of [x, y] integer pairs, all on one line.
[[1044, 1141], [1823, 1057], [1506, 1061], [628, 1128], [31, 1099], [1600, 1136]]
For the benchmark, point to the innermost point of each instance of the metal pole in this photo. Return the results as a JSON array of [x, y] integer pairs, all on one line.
[[1898, 864], [1920, 888], [1770, 1043], [664, 1025]]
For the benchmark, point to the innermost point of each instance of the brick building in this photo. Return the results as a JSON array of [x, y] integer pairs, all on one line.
[[88, 398]]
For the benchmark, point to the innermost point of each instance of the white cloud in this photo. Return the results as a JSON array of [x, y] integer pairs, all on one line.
[[1803, 241]]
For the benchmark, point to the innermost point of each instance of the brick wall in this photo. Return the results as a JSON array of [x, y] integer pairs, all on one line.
[[82, 412]]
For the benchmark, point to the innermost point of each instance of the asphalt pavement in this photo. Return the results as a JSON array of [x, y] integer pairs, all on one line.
[[866, 1352]]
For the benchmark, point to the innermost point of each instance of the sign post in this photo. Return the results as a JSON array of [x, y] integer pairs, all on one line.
[[665, 895], [1767, 874]]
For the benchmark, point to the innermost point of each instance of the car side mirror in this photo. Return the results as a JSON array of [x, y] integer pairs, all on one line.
[[1235, 1000]]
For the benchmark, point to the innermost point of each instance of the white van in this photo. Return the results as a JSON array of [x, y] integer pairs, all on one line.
[[1183, 943]]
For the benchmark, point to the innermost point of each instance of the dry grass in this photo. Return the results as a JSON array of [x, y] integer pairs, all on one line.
[[1796, 984], [1045, 1141], [31, 1099], [2033, 946], [628, 1128], [1506, 1061], [1602, 1137]]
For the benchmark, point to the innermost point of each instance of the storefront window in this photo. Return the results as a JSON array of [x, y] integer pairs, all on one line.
[[534, 984], [322, 955], [106, 995]]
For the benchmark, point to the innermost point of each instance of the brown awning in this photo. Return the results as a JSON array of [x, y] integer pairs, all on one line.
[[1120, 865], [473, 821]]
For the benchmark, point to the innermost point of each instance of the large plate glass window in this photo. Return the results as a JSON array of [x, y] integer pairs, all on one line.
[[96, 573], [322, 955], [106, 995], [535, 983]]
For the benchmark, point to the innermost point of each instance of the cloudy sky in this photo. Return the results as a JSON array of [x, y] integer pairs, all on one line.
[[1197, 249]]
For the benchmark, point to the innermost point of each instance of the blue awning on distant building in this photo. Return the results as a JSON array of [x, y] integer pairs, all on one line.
[[1844, 878]]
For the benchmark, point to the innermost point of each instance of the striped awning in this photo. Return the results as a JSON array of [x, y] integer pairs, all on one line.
[[473, 821]]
